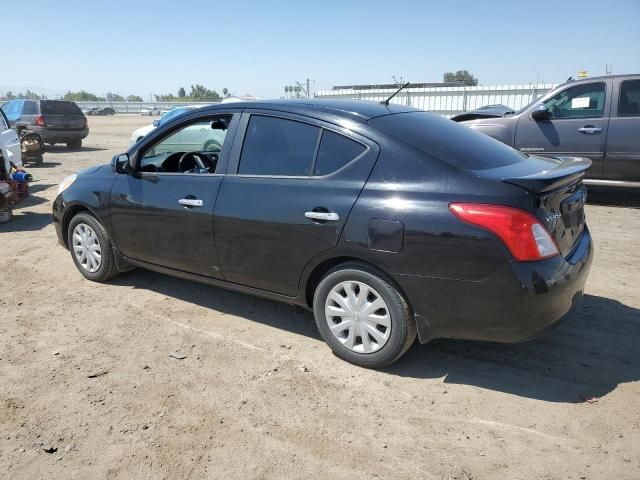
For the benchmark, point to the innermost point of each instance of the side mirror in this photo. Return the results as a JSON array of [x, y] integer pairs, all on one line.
[[156, 122], [120, 163], [540, 112]]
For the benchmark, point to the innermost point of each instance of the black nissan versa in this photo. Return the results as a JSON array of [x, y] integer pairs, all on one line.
[[385, 220]]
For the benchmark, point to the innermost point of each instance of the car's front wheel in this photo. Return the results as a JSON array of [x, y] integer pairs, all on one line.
[[91, 248], [362, 316]]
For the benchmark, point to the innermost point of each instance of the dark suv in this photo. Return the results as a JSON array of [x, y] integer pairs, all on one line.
[[56, 121], [385, 220]]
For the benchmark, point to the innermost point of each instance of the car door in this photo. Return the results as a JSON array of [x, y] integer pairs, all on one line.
[[9, 142], [161, 213], [622, 160], [577, 125], [291, 184]]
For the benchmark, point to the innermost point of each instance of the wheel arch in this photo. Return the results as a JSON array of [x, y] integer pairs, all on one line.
[[71, 212], [312, 279]]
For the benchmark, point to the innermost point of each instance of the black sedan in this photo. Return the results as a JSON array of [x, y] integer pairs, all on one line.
[[388, 222]]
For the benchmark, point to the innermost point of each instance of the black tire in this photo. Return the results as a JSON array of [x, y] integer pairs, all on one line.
[[74, 145], [403, 326], [107, 269]]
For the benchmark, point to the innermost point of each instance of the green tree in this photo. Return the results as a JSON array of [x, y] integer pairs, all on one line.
[[182, 93], [114, 97], [200, 93], [82, 96], [461, 76], [134, 98], [225, 92]]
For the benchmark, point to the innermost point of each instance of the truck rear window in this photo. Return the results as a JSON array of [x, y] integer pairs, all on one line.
[[448, 141], [56, 107]]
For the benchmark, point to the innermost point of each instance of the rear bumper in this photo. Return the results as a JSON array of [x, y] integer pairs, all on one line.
[[516, 303], [59, 136]]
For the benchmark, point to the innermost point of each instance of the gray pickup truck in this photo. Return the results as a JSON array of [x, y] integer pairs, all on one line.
[[597, 118]]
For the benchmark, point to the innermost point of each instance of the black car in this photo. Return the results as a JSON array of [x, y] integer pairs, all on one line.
[[385, 220], [55, 121]]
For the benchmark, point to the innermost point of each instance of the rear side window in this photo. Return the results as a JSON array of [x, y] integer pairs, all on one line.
[[57, 107], [335, 152], [29, 107], [448, 141], [629, 98], [581, 101], [276, 146]]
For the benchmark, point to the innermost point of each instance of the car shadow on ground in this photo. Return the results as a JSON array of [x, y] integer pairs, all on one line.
[[26, 221], [613, 197], [275, 314], [45, 164], [586, 356], [64, 149]]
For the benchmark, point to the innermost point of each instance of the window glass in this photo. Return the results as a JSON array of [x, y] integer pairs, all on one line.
[[10, 109], [3, 123], [275, 146], [194, 148], [581, 101], [448, 141], [335, 152], [29, 107], [59, 107], [629, 98]]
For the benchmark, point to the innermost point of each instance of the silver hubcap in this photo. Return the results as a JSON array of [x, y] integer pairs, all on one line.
[[86, 247], [358, 317]]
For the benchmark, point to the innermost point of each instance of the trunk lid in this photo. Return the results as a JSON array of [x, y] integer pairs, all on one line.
[[558, 192], [62, 115]]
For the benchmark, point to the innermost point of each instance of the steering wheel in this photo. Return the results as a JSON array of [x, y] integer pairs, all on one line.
[[194, 157]]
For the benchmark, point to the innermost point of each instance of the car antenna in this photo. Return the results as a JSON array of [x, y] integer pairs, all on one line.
[[386, 102]]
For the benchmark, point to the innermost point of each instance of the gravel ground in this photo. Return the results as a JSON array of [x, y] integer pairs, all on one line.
[[89, 389]]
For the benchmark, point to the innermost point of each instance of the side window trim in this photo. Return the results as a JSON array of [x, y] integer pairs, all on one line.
[[604, 106], [234, 162], [223, 157]]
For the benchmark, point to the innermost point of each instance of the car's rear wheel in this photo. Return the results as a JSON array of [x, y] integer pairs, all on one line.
[[74, 145], [91, 248], [362, 316]]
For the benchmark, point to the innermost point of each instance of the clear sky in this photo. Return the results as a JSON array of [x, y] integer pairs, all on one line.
[[257, 47]]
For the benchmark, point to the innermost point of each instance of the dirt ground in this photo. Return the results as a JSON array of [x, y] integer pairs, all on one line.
[[259, 395]]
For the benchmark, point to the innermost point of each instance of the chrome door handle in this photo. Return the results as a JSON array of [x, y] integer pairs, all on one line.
[[324, 216], [589, 129], [190, 202]]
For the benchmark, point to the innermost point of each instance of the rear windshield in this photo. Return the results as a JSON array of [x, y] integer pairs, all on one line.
[[448, 141], [56, 107]]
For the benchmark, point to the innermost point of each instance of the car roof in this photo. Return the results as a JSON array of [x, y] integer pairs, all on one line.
[[603, 77], [357, 110]]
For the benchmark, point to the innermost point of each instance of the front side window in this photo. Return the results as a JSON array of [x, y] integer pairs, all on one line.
[[581, 101], [629, 103], [278, 147], [3, 123], [193, 148]]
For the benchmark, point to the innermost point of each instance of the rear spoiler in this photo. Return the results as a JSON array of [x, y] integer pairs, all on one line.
[[569, 170]]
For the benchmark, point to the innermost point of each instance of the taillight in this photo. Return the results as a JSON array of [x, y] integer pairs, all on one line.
[[40, 121], [522, 233]]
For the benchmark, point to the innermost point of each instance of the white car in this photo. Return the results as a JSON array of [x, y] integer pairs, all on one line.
[[149, 111], [142, 131], [9, 145]]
